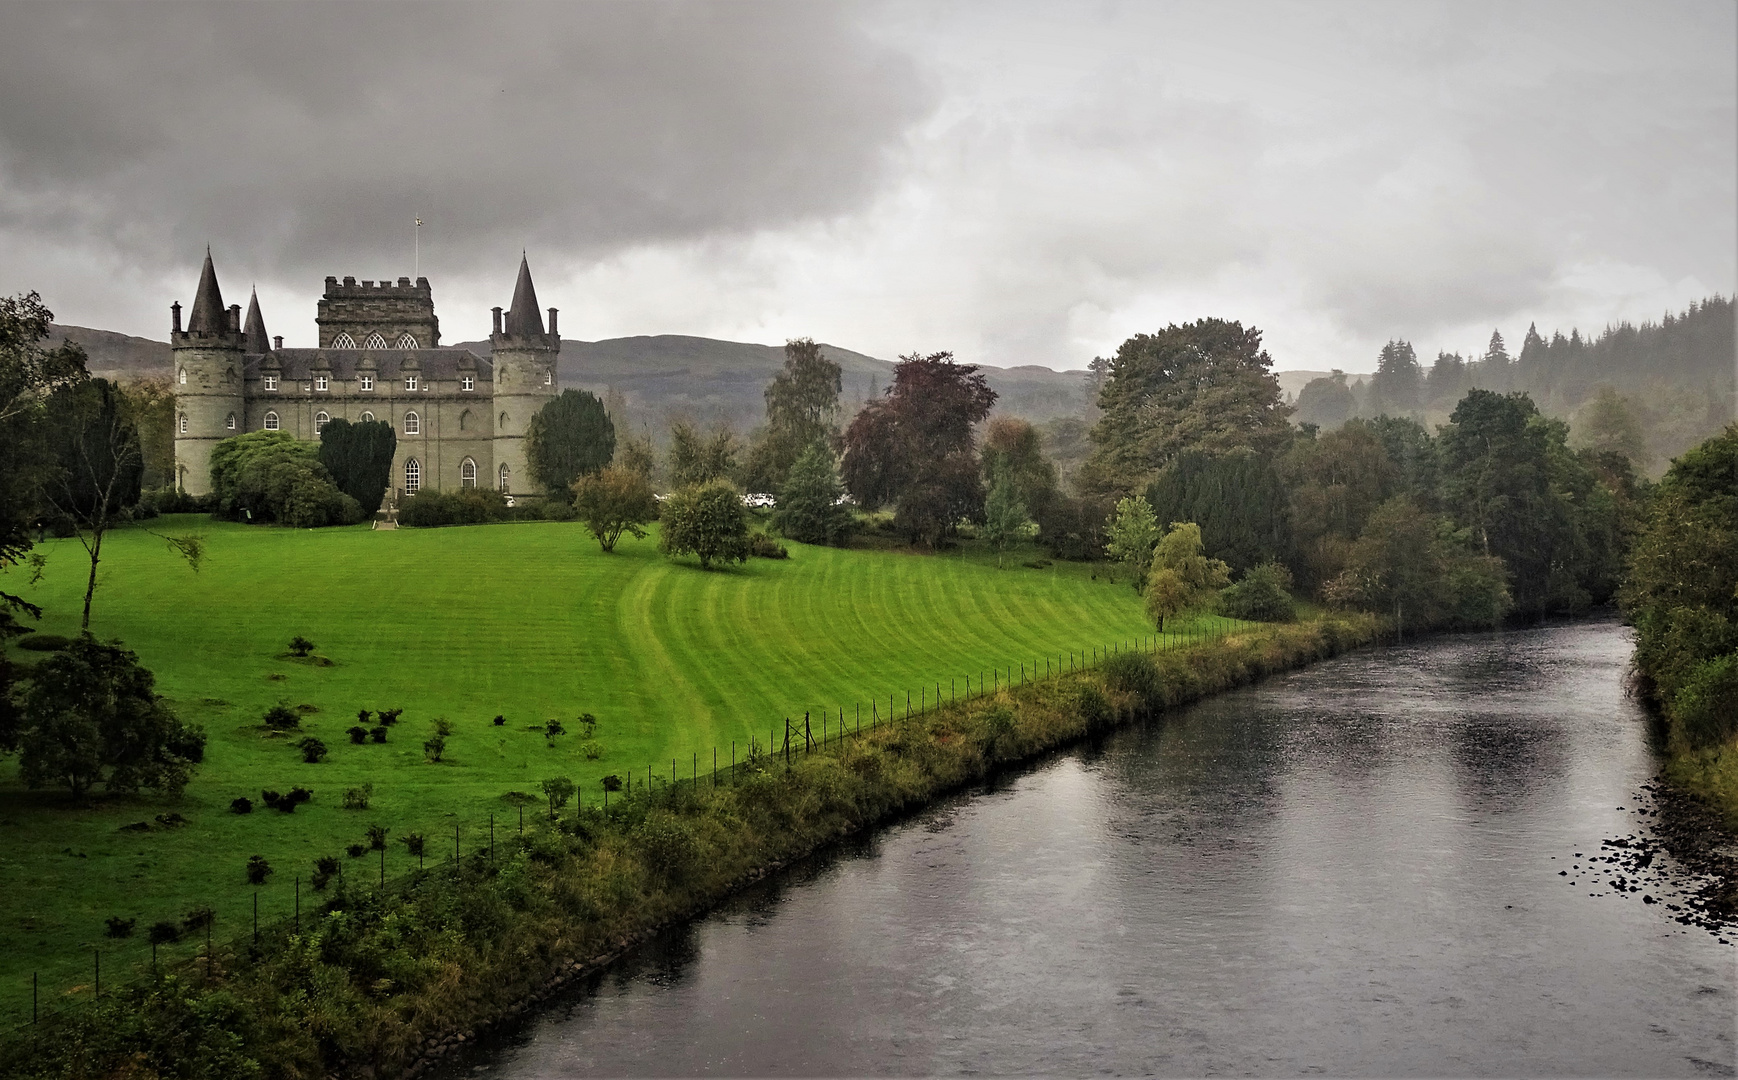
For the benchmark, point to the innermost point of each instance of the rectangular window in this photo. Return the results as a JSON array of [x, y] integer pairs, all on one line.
[[367, 382], [319, 382], [467, 383], [410, 382], [271, 382], [548, 379]]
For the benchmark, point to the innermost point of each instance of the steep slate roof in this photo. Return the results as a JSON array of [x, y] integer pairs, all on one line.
[[432, 364], [523, 317], [208, 316], [254, 327]]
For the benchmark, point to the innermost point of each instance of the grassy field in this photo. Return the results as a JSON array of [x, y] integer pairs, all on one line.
[[529, 621]]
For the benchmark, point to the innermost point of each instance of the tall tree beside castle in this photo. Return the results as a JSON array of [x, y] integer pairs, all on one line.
[[460, 420], [570, 437]]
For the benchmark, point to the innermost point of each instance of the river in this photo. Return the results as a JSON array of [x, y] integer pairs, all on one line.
[[1352, 870]]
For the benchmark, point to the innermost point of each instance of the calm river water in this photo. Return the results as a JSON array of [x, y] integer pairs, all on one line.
[[1352, 870]]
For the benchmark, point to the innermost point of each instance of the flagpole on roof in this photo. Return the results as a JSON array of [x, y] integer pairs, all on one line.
[[416, 242]]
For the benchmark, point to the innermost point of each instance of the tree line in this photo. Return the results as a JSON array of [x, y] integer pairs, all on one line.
[[1650, 390]]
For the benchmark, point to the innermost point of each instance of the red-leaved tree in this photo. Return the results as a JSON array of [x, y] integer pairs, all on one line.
[[913, 448]]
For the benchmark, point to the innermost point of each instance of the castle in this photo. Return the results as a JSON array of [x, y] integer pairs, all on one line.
[[460, 418]]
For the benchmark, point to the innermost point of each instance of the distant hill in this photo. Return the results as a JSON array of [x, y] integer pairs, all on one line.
[[116, 356]]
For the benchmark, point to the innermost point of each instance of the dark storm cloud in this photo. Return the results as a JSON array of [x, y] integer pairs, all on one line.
[[303, 137]]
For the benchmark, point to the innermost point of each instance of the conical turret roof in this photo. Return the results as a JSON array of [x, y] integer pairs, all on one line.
[[209, 315], [255, 327], [523, 317]]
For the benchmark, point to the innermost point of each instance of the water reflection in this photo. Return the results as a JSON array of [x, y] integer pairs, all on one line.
[[1346, 870]]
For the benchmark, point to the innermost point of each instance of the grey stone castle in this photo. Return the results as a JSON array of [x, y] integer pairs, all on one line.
[[460, 417]]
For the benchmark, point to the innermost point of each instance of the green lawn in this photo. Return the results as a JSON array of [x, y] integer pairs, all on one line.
[[526, 620]]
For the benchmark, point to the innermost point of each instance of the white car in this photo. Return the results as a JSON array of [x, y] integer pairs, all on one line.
[[759, 500]]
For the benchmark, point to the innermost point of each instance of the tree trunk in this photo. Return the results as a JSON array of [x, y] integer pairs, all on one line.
[[96, 548]]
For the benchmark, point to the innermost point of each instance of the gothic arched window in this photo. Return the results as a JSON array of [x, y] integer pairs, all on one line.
[[183, 423], [465, 420], [183, 377], [229, 422], [412, 424], [271, 421], [405, 341], [412, 476], [343, 341], [367, 417], [468, 473], [320, 421], [375, 341], [505, 474]]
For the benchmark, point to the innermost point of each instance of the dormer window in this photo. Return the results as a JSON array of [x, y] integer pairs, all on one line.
[[271, 382], [320, 382], [375, 341], [343, 341], [467, 383], [410, 382], [367, 382], [405, 341]]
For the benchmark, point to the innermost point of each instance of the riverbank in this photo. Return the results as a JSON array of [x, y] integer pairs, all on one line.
[[378, 982]]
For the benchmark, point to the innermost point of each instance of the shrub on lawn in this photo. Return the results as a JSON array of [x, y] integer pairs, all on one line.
[[119, 927], [325, 869], [300, 646], [356, 798], [358, 735], [281, 717], [377, 837], [163, 933], [356, 851], [45, 643], [258, 870], [243, 805], [313, 750], [378, 734], [390, 717]]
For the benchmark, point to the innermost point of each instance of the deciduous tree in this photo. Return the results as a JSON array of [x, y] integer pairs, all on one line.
[[914, 448], [613, 501], [90, 716], [802, 408]]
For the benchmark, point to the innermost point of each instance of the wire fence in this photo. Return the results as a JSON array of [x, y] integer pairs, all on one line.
[[384, 871]]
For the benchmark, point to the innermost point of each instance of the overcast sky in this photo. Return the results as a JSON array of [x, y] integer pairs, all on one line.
[[1017, 183]]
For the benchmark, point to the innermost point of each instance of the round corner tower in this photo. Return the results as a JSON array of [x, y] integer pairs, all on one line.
[[207, 379], [524, 380]]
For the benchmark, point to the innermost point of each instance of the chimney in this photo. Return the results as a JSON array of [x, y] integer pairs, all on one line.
[[497, 312], [553, 332], [277, 343], [235, 318], [175, 317]]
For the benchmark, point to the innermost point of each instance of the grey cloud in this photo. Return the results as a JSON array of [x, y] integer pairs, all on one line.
[[302, 137]]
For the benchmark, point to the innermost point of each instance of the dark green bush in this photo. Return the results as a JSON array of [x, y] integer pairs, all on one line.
[[377, 837], [378, 734], [1261, 596], [467, 506], [666, 844], [243, 805], [358, 735], [44, 643], [197, 919], [282, 718], [325, 869], [762, 546], [313, 750], [300, 646], [356, 851], [1705, 710], [118, 927], [1094, 708], [258, 870], [163, 933]]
